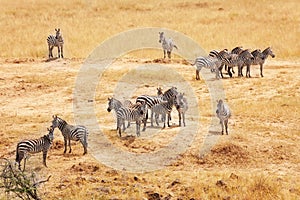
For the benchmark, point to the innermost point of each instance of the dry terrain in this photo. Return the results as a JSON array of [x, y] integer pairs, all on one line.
[[259, 159]]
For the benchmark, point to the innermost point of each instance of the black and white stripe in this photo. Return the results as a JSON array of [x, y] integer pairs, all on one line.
[[71, 132], [181, 105], [34, 146], [134, 113], [56, 41], [167, 45], [260, 58], [223, 113], [163, 109]]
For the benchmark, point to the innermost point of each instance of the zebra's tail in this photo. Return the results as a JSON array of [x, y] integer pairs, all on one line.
[[175, 46], [17, 154]]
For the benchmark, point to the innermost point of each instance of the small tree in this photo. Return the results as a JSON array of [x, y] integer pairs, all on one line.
[[12, 180]]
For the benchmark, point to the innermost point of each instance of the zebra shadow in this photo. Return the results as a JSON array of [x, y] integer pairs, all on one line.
[[215, 132], [51, 59]]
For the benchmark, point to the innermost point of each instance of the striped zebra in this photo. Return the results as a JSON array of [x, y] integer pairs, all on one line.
[[71, 132], [181, 105], [239, 60], [164, 108], [34, 146], [211, 62], [115, 104], [56, 41], [167, 45], [222, 56], [260, 58], [223, 113], [237, 50], [150, 101], [134, 113]]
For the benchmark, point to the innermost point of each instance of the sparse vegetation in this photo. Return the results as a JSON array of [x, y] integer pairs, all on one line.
[[259, 158]]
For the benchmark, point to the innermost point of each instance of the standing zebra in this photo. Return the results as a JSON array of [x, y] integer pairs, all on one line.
[[260, 58], [167, 45], [115, 104], [222, 56], [34, 146], [164, 108], [134, 113], [234, 52], [223, 113], [211, 62], [56, 41], [181, 106], [71, 132], [149, 101]]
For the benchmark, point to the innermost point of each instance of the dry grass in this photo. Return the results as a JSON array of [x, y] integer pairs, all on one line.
[[85, 24], [258, 160]]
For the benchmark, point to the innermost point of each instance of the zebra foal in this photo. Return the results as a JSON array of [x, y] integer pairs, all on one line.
[[223, 113], [56, 41], [34, 146], [71, 132]]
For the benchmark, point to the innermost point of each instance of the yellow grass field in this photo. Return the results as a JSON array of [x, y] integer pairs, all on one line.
[[259, 159]]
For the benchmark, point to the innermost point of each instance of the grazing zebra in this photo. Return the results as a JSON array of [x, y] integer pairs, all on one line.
[[212, 62], [167, 45], [223, 113], [260, 58], [71, 132], [34, 146], [56, 41], [181, 105], [134, 113], [115, 104]]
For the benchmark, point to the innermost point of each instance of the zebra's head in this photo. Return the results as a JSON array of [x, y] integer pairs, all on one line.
[[55, 122], [161, 37], [180, 101], [268, 51], [50, 135], [219, 105], [159, 91], [113, 104], [58, 34]]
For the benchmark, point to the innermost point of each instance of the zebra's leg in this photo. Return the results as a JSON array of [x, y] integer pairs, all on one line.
[[197, 75], [164, 54], [45, 157], [220, 69], [156, 119], [19, 159], [65, 140], [145, 121], [222, 122], [169, 54], [24, 163], [229, 72], [183, 118], [61, 51], [152, 117], [123, 125], [226, 125], [179, 116], [248, 71], [164, 121], [261, 70], [138, 126], [69, 139], [128, 125], [168, 115], [50, 51], [58, 51]]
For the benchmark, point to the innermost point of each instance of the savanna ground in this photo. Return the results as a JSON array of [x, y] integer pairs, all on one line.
[[259, 159]]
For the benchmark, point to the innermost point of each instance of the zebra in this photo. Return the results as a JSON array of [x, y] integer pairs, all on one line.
[[167, 45], [239, 60], [212, 62], [260, 58], [149, 101], [71, 132], [115, 104], [181, 105], [237, 50], [134, 113], [223, 113], [222, 56], [34, 146], [56, 41], [164, 108]]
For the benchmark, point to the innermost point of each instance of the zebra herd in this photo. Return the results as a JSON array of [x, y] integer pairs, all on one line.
[[237, 57], [42, 144], [160, 105]]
